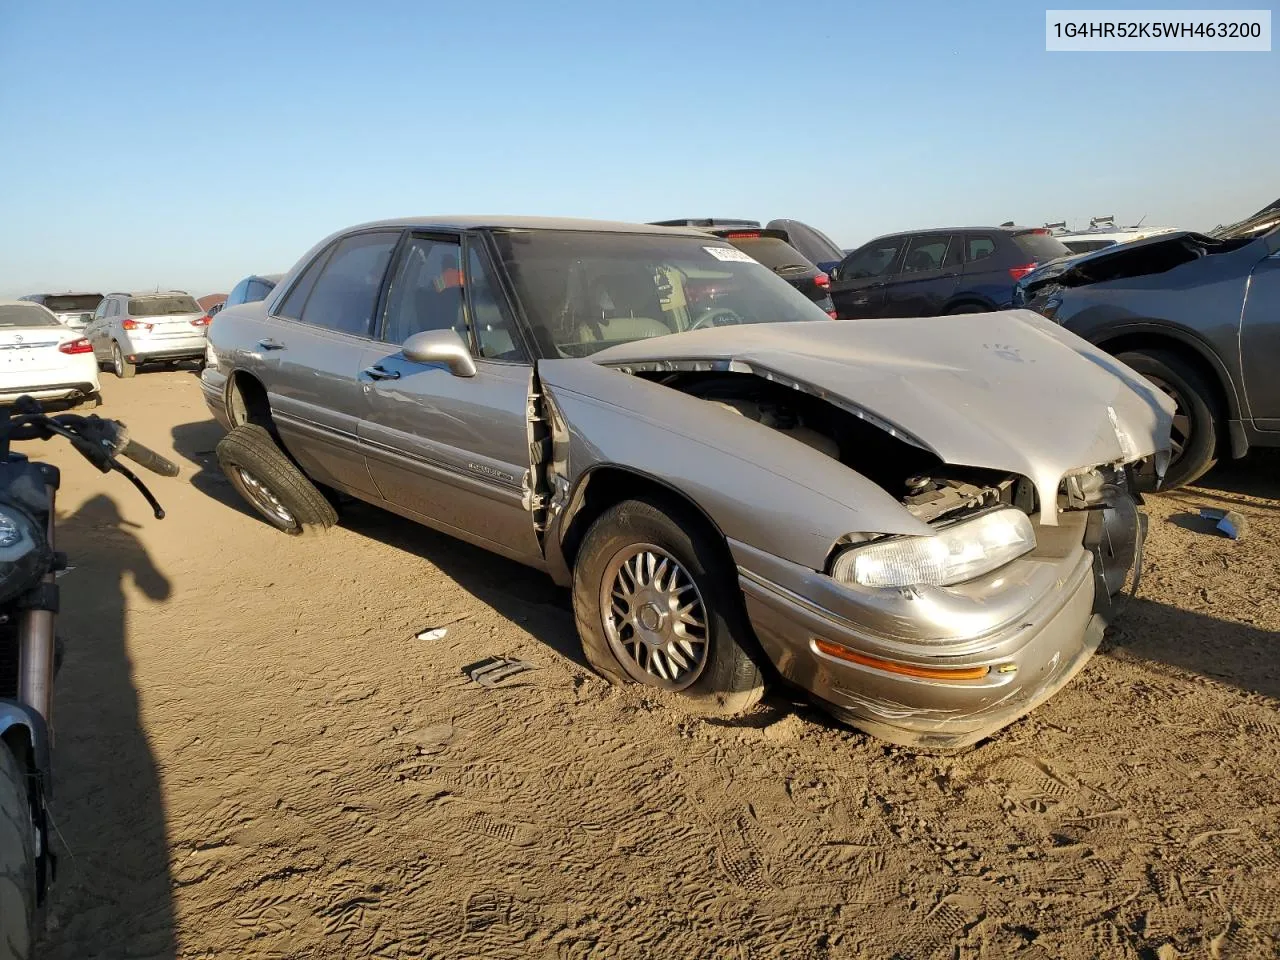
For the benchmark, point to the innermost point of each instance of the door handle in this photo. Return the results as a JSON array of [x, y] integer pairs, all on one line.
[[378, 372], [267, 343]]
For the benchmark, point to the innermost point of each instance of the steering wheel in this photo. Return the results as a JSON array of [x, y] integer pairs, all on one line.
[[713, 316]]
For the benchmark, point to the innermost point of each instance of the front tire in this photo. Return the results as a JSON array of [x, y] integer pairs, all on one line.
[[1195, 424], [655, 604], [17, 861], [123, 368], [272, 485]]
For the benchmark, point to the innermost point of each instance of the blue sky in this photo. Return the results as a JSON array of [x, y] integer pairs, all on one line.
[[189, 144]]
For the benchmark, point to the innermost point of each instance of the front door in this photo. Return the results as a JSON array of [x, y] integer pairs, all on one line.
[[858, 288], [451, 450], [1260, 343], [310, 354]]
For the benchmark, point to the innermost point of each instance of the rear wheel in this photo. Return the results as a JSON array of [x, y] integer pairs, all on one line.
[[269, 481], [17, 860], [655, 604], [122, 367], [1195, 424]]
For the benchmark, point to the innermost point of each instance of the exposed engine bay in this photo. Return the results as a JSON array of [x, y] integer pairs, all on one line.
[[928, 488]]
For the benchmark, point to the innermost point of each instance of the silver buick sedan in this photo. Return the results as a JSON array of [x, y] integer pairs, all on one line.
[[924, 523]]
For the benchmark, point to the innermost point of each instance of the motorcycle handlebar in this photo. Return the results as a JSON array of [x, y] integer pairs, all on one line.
[[148, 458]]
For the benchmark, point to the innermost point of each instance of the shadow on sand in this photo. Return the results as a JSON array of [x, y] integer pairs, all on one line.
[[113, 894], [524, 596]]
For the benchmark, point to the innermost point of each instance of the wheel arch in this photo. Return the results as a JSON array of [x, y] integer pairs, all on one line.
[[1196, 353], [603, 486], [252, 395], [970, 299]]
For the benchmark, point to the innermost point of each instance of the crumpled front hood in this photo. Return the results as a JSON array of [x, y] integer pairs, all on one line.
[[1007, 391]]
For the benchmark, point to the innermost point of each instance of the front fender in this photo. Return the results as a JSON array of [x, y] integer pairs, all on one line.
[[755, 484], [19, 720]]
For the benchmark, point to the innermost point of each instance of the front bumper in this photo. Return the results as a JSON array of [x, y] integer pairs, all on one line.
[[1032, 625]]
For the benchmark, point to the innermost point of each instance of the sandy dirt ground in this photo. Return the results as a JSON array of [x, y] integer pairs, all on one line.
[[256, 758]]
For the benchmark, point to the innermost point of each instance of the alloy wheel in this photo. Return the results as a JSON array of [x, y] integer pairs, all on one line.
[[654, 617], [1180, 436], [266, 501]]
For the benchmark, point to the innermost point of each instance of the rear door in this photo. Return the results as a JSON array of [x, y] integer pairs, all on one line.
[[309, 358], [858, 288], [1260, 343], [928, 279], [452, 451]]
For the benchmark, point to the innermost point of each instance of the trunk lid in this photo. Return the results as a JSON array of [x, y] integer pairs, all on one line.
[[1007, 391], [33, 349]]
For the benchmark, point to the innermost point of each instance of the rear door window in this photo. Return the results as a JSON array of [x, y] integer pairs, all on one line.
[[978, 247], [876, 259], [347, 289], [925, 252], [258, 290], [297, 298]]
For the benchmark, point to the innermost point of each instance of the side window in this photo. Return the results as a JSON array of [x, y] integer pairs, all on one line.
[[257, 290], [955, 251], [101, 310], [494, 334], [113, 310], [876, 259], [978, 248], [237, 293], [426, 291], [297, 298], [925, 252], [347, 289]]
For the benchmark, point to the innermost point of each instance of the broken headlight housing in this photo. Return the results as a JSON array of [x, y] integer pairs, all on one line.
[[957, 552]]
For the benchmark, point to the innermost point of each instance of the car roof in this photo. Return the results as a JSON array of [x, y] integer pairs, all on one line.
[[504, 222], [144, 294], [23, 303]]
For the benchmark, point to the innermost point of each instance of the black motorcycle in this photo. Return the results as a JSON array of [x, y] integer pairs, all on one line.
[[29, 648]]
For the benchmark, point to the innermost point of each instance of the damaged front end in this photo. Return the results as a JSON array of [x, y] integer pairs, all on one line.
[[930, 540]]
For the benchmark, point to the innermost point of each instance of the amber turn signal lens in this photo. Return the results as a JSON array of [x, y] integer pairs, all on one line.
[[905, 669]]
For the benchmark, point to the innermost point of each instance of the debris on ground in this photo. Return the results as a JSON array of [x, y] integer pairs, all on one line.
[[431, 633], [1230, 522], [495, 670]]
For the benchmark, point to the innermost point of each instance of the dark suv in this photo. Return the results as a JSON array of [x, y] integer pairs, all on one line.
[[928, 273], [772, 248]]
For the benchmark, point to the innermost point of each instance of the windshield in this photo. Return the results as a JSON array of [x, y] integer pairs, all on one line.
[[583, 292], [162, 306], [74, 303], [26, 315]]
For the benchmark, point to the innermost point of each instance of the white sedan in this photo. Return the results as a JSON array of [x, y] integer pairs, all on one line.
[[43, 358]]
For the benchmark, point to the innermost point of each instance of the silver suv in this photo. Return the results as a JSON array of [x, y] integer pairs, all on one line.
[[130, 329]]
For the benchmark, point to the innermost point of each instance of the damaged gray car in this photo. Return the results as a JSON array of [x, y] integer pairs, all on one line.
[[925, 526]]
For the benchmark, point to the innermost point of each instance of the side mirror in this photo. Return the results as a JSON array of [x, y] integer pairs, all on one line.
[[440, 346]]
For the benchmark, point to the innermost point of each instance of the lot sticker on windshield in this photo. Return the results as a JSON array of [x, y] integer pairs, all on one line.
[[729, 254]]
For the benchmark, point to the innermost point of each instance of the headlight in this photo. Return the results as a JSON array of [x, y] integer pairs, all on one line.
[[956, 553], [23, 553], [10, 532]]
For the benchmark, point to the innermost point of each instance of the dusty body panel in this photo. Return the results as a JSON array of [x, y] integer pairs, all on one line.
[[1004, 391]]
